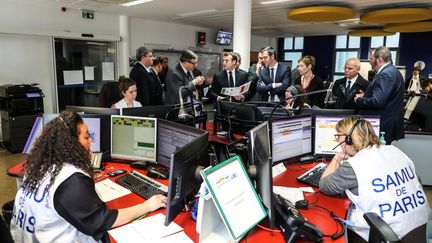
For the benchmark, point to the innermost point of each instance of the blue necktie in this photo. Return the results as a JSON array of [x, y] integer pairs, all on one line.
[[348, 87]]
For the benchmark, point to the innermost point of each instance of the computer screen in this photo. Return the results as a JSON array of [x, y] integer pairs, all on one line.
[[159, 111], [171, 137], [325, 131], [223, 38], [133, 138], [93, 110], [99, 127], [183, 183], [291, 137], [259, 156], [240, 111]]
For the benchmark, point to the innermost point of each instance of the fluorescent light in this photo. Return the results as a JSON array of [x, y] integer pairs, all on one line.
[[200, 12], [274, 1], [133, 3]]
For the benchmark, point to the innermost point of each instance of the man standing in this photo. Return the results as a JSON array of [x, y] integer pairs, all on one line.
[[346, 88], [274, 79], [140, 74], [384, 95], [157, 96], [183, 74], [229, 77]]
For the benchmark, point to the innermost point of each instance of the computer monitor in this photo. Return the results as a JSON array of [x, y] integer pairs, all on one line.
[[158, 111], [99, 127], [171, 137], [318, 111], [183, 183], [242, 111], [93, 110], [264, 112], [324, 140], [133, 138], [259, 156], [291, 137]]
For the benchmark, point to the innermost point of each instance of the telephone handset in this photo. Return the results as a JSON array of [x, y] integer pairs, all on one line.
[[292, 223], [96, 160]]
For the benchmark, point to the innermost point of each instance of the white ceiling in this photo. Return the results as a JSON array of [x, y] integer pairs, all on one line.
[[267, 20]]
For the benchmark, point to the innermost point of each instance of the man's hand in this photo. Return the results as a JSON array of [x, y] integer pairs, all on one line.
[[198, 80], [239, 97], [360, 94], [276, 85]]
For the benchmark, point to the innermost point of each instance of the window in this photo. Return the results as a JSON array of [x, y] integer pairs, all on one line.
[[293, 49], [391, 42], [346, 47]]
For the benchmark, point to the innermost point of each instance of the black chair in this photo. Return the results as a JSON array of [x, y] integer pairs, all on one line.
[[380, 231], [5, 235], [109, 94]]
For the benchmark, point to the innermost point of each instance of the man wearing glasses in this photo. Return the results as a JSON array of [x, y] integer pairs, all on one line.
[[184, 73]]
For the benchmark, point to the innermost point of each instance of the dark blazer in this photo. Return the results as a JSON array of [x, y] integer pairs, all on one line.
[[385, 96], [157, 89], [220, 80], [315, 84], [177, 78], [264, 83], [144, 83], [346, 101]]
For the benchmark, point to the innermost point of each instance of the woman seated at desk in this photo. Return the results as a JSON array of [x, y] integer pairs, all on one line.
[[57, 201], [128, 89], [376, 178]]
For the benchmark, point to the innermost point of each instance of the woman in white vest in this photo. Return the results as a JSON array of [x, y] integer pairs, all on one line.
[[57, 201], [128, 90], [376, 178]]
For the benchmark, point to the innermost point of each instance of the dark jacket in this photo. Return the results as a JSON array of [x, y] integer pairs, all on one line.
[[265, 83], [346, 101], [220, 80]]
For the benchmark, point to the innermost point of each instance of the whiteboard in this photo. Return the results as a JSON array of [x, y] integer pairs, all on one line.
[[28, 59]]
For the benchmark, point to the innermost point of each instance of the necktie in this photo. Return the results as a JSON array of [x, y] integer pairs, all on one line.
[[231, 80], [189, 75], [272, 74], [348, 87]]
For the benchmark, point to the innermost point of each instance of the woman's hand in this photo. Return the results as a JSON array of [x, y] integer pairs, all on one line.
[[155, 202]]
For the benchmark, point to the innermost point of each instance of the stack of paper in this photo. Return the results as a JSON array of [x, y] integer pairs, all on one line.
[[108, 190], [151, 229]]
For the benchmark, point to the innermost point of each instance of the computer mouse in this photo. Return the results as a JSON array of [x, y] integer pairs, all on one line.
[[302, 204], [139, 165], [157, 172]]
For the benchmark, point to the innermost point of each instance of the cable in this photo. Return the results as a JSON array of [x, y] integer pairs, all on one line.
[[267, 229], [337, 220]]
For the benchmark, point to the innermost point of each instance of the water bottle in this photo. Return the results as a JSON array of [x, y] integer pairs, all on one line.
[[382, 139]]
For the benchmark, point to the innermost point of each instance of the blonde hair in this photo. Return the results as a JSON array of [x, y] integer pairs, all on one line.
[[362, 136], [308, 60]]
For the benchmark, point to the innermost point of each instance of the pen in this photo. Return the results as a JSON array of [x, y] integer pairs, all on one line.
[[140, 217], [111, 187]]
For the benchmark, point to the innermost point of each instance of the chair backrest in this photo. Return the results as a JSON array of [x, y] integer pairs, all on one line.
[[5, 235], [109, 94], [380, 231]]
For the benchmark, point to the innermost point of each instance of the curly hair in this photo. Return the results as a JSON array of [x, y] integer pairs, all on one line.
[[58, 145]]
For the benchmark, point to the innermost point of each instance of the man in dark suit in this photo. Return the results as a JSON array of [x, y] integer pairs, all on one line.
[[140, 74], [183, 74], [157, 96], [274, 79], [346, 88], [229, 77], [384, 95]]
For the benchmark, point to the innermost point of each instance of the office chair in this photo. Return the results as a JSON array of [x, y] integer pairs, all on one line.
[[5, 235], [380, 231], [109, 94]]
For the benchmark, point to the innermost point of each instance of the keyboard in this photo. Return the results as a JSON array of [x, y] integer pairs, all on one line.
[[313, 176], [142, 185]]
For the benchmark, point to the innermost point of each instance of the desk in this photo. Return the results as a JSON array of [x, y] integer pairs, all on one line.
[[315, 215]]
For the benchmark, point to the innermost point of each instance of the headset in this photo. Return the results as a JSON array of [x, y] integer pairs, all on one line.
[[348, 138]]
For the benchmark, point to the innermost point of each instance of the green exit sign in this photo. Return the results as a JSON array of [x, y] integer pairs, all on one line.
[[87, 14]]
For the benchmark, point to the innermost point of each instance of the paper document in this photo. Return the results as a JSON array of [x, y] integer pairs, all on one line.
[[150, 229], [108, 190], [233, 91], [291, 193]]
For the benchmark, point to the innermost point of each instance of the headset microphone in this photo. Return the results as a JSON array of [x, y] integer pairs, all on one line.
[[339, 145]]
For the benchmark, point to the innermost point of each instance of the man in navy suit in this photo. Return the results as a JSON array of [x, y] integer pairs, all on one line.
[[346, 88], [384, 95], [274, 79], [229, 77], [140, 74]]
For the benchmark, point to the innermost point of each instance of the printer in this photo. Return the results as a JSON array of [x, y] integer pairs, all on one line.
[[20, 104]]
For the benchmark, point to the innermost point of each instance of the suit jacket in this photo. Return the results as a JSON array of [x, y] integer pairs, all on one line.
[[265, 83], [385, 96], [144, 84], [220, 80], [177, 78], [346, 101], [157, 94]]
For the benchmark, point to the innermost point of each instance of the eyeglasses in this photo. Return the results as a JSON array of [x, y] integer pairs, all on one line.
[[336, 136], [193, 63]]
